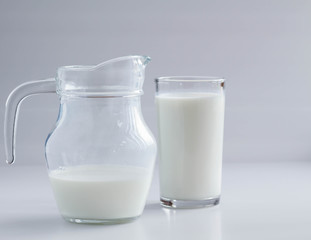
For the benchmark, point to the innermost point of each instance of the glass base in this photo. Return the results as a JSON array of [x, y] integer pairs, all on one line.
[[100, 221], [175, 203]]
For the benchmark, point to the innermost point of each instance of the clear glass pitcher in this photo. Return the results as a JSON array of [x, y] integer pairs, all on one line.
[[100, 155]]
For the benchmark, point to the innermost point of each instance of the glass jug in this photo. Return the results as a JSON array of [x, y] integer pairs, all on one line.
[[100, 154]]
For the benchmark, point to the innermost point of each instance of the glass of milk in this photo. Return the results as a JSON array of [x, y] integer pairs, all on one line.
[[191, 124]]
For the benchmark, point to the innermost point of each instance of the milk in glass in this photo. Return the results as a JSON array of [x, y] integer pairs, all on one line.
[[191, 141]]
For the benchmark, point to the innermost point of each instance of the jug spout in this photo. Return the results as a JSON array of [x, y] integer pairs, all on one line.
[[140, 60], [117, 77]]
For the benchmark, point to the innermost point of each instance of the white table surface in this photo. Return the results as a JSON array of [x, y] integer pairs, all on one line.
[[268, 200]]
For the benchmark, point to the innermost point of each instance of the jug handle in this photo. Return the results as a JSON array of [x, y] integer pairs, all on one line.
[[12, 109]]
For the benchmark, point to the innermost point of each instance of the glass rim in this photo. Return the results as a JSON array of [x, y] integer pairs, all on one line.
[[190, 79]]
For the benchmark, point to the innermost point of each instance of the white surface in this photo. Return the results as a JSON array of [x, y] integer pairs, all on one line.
[[98, 192], [259, 201], [191, 127]]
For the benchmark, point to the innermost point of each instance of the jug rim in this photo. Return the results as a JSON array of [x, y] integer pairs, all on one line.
[[146, 59]]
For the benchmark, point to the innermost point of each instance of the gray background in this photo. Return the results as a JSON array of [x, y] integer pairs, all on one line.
[[261, 47]]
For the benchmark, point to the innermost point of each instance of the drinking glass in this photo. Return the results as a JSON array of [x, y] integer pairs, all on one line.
[[191, 124]]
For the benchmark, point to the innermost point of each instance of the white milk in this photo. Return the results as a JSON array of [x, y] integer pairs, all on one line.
[[191, 139], [100, 192]]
